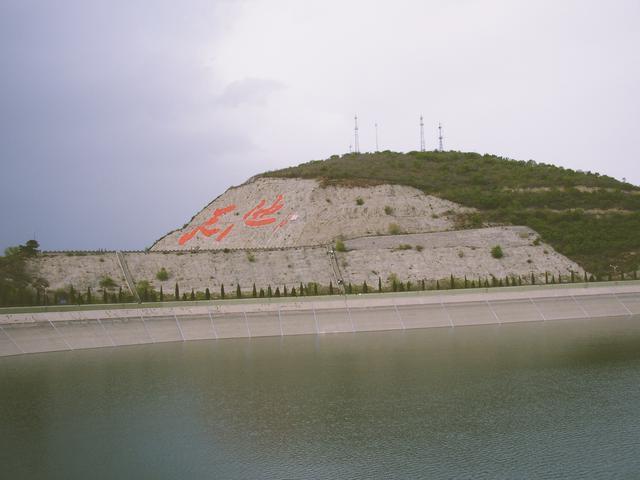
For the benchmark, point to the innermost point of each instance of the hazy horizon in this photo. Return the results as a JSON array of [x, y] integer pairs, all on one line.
[[123, 119]]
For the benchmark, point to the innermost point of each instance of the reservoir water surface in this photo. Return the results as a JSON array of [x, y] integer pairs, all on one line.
[[538, 400]]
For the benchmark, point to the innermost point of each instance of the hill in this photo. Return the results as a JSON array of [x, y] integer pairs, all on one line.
[[591, 218]]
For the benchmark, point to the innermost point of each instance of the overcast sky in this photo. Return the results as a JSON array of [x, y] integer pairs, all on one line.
[[120, 119]]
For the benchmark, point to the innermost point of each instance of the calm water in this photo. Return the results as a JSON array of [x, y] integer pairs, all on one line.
[[555, 400]]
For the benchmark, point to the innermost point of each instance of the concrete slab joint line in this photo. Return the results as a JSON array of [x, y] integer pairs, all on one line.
[[213, 325], [127, 275], [280, 321], [395, 306], [178, 324], [346, 304], [144, 324], [12, 340], [315, 318], [113, 344], [246, 322], [544, 319], [622, 303], [495, 315], [60, 335], [586, 315], [446, 312]]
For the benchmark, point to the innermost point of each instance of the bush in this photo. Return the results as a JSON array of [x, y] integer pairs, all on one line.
[[496, 252], [419, 248], [251, 257], [359, 201], [394, 229], [162, 275], [404, 246], [388, 210], [340, 246], [107, 282]]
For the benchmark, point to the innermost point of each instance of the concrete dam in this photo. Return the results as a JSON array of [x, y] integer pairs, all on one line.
[[48, 331]]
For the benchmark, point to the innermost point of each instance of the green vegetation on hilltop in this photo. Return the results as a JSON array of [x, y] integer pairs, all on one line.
[[593, 219]]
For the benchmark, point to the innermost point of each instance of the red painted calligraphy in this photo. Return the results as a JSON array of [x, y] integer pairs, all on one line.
[[204, 228], [259, 216]]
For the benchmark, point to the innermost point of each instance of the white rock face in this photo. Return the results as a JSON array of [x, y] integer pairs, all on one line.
[[462, 253], [411, 257], [276, 212]]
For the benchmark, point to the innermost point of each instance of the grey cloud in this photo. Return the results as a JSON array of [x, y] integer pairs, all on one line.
[[253, 91]]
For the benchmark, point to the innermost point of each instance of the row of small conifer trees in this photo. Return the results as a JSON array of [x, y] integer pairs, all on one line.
[[148, 294]]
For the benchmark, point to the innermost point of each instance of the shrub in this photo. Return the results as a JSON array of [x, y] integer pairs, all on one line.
[[394, 229], [162, 275], [359, 201], [404, 246], [496, 252], [251, 257], [340, 246], [107, 282], [419, 248], [388, 210]]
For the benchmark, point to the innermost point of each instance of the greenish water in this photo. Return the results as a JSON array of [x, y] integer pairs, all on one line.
[[539, 400]]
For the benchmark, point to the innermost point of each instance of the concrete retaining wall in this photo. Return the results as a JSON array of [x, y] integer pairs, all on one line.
[[55, 331]]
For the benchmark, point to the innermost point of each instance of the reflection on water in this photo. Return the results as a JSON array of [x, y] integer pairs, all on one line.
[[535, 400]]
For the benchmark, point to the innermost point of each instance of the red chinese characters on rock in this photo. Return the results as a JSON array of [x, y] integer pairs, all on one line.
[[206, 231], [258, 216]]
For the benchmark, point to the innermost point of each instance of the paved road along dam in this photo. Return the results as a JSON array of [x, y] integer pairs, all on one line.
[[22, 333]]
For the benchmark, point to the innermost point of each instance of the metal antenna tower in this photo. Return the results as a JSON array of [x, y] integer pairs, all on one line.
[[356, 143], [377, 149], [422, 143], [440, 137]]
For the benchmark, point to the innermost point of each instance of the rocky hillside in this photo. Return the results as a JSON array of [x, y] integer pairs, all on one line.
[[280, 212], [590, 218]]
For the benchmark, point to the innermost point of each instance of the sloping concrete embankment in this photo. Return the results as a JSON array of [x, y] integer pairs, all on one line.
[[55, 331]]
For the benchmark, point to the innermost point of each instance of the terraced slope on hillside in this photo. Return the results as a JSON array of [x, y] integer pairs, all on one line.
[[593, 219], [280, 212]]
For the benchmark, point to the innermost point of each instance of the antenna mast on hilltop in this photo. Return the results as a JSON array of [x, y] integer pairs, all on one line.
[[422, 143], [356, 143], [440, 146]]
